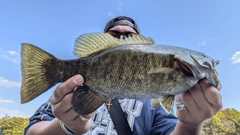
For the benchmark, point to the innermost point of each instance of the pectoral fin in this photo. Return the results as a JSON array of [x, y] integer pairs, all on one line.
[[86, 101], [164, 70], [166, 102]]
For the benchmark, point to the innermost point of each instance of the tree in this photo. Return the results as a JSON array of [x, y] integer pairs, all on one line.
[[224, 122], [13, 125]]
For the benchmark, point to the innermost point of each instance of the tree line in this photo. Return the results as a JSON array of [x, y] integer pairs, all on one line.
[[12, 125], [225, 122]]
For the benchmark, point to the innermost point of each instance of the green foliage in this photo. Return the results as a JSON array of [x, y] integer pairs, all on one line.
[[224, 122], [13, 125]]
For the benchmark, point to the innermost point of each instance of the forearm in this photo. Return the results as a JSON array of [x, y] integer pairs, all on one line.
[[46, 127], [53, 127], [187, 129]]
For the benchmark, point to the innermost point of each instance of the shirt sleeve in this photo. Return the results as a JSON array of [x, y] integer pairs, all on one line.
[[163, 123], [43, 113]]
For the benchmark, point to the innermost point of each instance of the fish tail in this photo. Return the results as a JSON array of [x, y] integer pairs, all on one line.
[[34, 72]]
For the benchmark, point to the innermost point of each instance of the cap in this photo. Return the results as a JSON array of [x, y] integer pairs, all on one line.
[[116, 21]]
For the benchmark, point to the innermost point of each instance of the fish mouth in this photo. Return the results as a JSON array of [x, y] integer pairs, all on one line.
[[185, 69]]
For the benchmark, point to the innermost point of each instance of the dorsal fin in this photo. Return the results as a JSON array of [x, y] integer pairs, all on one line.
[[91, 43]]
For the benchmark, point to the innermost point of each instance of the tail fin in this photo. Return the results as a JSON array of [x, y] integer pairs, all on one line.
[[33, 66]]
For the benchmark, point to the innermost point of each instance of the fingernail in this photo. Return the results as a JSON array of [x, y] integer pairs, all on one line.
[[78, 79]]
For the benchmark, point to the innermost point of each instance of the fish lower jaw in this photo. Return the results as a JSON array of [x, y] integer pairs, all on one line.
[[192, 81]]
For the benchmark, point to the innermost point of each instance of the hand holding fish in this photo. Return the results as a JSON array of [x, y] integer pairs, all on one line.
[[62, 107], [202, 101]]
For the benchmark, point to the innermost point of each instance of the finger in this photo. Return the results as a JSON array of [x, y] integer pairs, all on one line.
[[60, 110], [188, 99], [77, 123], [66, 87], [179, 99], [70, 116], [181, 113], [80, 117], [199, 97], [211, 93]]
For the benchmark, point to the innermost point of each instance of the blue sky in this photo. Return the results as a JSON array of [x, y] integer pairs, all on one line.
[[212, 27]]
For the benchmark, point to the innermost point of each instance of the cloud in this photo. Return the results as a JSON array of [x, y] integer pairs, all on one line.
[[12, 113], [12, 59], [12, 52], [6, 83], [236, 57], [2, 101], [202, 43], [110, 14], [10, 56], [120, 7]]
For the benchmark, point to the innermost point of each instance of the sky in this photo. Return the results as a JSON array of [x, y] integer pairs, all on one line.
[[212, 27]]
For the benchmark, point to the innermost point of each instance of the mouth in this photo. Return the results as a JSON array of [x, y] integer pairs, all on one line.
[[185, 69]]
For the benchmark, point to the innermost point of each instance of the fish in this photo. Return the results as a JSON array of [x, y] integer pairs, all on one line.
[[135, 67]]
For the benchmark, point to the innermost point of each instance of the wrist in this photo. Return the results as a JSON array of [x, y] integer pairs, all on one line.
[[65, 129], [187, 129], [80, 128]]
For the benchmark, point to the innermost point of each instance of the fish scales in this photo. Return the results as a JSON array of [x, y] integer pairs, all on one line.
[[112, 72], [124, 68]]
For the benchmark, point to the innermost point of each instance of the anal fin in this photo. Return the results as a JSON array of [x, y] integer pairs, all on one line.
[[168, 103], [86, 101]]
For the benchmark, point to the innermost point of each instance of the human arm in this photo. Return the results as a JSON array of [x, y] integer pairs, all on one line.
[[61, 110], [202, 102]]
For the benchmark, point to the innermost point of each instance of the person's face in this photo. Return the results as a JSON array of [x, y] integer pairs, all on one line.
[[120, 31]]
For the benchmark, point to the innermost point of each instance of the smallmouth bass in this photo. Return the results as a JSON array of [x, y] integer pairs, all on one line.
[[134, 67]]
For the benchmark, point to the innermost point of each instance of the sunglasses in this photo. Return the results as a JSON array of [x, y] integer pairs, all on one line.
[[117, 34]]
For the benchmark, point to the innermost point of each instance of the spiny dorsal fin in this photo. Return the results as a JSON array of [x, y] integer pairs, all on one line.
[[90, 43], [137, 40]]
